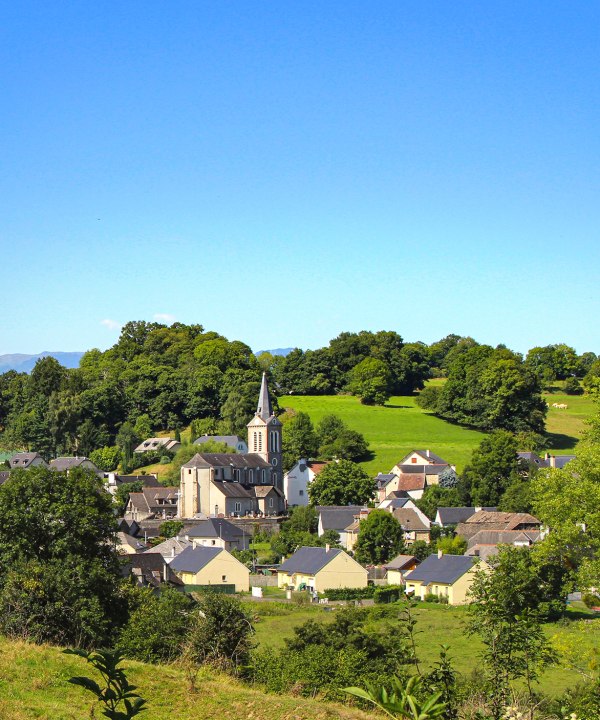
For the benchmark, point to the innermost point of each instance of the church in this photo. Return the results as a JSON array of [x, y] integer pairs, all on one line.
[[234, 485]]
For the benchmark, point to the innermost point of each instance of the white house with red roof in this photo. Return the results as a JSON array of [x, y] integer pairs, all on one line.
[[297, 480]]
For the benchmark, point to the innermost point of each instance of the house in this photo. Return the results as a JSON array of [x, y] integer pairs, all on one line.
[[211, 566], [150, 570], [399, 567], [26, 460], [152, 503], [413, 526], [66, 464], [451, 516], [319, 569], [297, 480], [447, 576], [217, 532], [223, 484], [396, 501], [113, 481], [485, 542], [4, 475], [129, 545], [548, 461], [413, 473], [337, 518], [351, 532], [233, 441], [169, 444], [486, 520], [171, 547]]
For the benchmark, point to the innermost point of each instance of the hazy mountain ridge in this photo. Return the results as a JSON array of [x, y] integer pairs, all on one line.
[[25, 363], [276, 351]]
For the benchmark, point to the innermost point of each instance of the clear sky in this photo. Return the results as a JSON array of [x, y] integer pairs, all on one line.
[[283, 171]]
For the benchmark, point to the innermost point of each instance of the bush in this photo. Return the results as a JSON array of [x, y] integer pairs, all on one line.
[[431, 598], [388, 594], [590, 600], [349, 593], [572, 386], [165, 459]]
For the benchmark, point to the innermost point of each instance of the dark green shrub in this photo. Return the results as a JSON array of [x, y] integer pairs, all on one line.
[[388, 594], [431, 598], [590, 600], [349, 593]]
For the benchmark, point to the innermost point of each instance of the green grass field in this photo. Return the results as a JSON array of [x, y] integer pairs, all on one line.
[[436, 625], [401, 426]]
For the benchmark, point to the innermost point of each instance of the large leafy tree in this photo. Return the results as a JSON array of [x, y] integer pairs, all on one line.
[[59, 571], [341, 483], [370, 380], [380, 538], [493, 468], [299, 439]]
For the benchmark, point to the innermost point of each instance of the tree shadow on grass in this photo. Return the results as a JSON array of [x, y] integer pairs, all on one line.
[[398, 407], [562, 441]]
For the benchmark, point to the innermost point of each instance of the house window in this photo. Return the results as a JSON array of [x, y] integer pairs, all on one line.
[[251, 476], [213, 542], [224, 578], [301, 492], [414, 460], [270, 502], [238, 507]]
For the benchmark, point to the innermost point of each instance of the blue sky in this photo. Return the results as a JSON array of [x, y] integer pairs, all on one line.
[[281, 172]]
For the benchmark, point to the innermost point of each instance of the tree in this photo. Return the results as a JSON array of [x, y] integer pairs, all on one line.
[[493, 468], [370, 381], [504, 614], [435, 497], [143, 426], [299, 439], [302, 519], [59, 571], [157, 624], [380, 538], [106, 458], [221, 632], [341, 483], [336, 440], [170, 528]]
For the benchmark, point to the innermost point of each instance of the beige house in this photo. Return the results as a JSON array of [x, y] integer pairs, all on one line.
[[210, 566], [412, 474], [320, 569], [447, 576]]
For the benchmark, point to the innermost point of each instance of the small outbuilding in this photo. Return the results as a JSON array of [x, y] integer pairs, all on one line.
[[321, 568]]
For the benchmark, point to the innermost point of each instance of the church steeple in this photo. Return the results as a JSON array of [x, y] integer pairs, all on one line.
[[264, 409]]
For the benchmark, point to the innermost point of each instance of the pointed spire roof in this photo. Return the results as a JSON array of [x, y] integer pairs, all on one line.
[[264, 409]]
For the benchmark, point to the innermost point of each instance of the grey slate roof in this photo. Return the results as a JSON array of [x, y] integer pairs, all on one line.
[[68, 463], [208, 460], [151, 567], [383, 479], [309, 560], [337, 517], [455, 515], [446, 569], [216, 528], [192, 560], [561, 460], [23, 459], [428, 455], [399, 562]]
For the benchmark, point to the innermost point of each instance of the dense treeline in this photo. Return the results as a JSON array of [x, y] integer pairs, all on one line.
[[158, 377]]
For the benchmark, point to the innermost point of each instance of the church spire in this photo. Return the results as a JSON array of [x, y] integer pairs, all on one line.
[[264, 409]]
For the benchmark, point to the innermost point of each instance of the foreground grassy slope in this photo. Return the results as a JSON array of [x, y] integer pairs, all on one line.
[[33, 684]]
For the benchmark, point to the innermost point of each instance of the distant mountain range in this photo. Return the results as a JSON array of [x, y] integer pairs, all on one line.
[[25, 363], [276, 351]]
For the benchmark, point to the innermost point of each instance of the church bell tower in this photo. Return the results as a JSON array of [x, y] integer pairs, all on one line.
[[264, 435]]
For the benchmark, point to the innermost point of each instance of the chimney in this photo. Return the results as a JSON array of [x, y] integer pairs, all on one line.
[[427, 453], [173, 551], [478, 509], [440, 554], [165, 577], [327, 548]]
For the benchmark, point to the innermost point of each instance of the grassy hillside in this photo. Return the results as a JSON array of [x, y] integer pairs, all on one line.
[[33, 684], [393, 430], [401, 426]]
